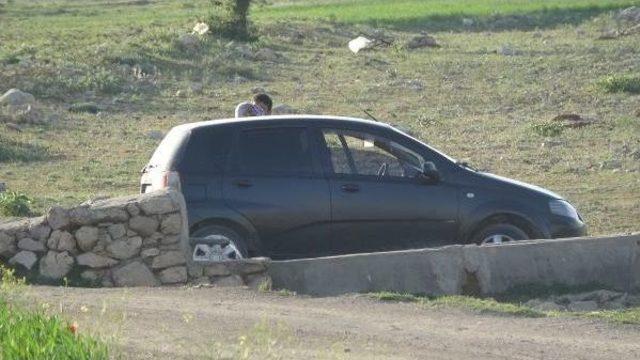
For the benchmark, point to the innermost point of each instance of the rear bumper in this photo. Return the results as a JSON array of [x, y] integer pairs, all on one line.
[[145, 182]]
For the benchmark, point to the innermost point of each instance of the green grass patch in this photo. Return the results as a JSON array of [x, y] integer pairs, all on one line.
[[32, 335], [85, 107], [284, 292], [397, 297], [487, 305], [626, 316], [620, 83], [511, 304], [15, 151], [446, 15], [523, 293], [547, 128], [627, 122], [14, 204], [56, 84], [28, 334]]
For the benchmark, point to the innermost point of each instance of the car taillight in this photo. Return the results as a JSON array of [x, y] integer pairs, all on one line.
[[166, 179], [172, 180]]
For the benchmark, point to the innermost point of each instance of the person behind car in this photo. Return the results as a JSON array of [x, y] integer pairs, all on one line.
[[260, 105]]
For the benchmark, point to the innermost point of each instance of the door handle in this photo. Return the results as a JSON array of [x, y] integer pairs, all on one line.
[[242, 183], [350, 188]]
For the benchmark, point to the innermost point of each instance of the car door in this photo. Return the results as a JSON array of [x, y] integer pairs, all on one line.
[[274, 181], [377, 199], [201, 169]]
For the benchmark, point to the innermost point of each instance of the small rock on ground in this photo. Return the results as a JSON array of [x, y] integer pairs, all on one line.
[[16, 97], [422, 41]]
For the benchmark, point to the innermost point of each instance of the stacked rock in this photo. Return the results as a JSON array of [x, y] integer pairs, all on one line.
[[128, 241]]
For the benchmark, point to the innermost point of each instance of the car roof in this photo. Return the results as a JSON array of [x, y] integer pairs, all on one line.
[[282, 119], [183, 130]]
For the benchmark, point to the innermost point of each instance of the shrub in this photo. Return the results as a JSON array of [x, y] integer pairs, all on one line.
[[230, 18], [8, 59], [52, 82], [101, 80], [620, 83], [85, 107], [10, 284], [14, 204], [548, 128]]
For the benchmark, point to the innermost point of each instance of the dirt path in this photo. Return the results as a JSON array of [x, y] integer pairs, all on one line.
[[208, 322]]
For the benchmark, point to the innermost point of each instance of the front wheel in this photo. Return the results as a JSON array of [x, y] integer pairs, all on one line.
[[218, 243], [498, 234]]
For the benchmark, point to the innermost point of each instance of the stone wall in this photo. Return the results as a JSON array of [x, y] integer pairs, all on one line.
[[130, 241]]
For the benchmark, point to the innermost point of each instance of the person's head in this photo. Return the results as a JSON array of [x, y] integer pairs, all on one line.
[[264, 101]]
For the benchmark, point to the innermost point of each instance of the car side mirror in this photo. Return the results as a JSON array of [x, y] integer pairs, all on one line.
[[430, 174]]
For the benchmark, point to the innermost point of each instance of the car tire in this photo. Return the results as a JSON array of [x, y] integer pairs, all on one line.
[[235, 246], [499, 233]]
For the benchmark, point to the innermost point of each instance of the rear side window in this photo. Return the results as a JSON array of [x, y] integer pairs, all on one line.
[[168, 151], [206, 151], [280, 151]]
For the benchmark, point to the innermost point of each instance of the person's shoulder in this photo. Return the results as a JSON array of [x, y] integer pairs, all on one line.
[[244, 109], [244, 105]]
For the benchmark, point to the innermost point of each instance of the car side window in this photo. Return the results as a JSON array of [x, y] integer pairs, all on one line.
[[358, 153], [337, 153], [274, 151], [207, 151]]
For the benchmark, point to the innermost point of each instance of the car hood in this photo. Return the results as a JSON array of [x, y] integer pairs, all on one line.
[[519, 184]]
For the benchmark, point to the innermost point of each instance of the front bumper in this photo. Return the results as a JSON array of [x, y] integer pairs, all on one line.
[[564, 227]]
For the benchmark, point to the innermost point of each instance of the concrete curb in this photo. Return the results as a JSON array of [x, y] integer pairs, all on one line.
[[610, 262]]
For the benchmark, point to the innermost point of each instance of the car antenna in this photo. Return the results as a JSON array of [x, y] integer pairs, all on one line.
[[366, 111]]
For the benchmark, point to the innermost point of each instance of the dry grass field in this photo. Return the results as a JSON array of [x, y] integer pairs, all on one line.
[[107, 75]]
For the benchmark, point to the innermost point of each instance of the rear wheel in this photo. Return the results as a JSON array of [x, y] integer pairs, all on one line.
[[218, 243], [498, 234]]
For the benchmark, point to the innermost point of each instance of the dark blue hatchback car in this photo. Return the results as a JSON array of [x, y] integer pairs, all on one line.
[[306, 186]]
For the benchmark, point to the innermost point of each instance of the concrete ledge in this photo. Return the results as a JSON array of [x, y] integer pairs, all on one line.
[[611, 262]]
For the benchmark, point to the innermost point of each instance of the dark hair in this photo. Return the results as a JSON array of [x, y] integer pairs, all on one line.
[[263, 98]]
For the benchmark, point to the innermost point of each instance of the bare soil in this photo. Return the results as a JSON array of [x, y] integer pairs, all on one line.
[[180, 323]]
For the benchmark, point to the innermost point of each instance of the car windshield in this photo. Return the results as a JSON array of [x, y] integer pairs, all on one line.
[[438, 152]]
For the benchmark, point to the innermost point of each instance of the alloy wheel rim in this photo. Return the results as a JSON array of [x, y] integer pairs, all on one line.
[[497, 239], [226, 249]]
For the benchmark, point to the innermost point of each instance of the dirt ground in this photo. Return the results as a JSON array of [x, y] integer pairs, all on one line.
[[180, 323]]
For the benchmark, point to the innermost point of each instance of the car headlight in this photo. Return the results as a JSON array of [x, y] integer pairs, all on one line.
[[563, 208]]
